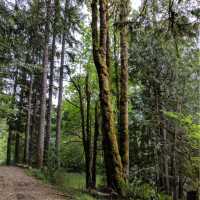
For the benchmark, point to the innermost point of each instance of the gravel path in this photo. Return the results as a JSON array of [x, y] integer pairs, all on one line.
[[16, 185]]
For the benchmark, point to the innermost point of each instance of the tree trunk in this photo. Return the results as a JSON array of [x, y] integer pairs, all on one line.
[[108, 49], [85, 139], [123, 132], [95, 145], [117, 88], [20, 118], [10, 131], [174, 157], [51, 78], [88, 153], [113, 164], [174, 170], [9, 143], [166, 167], [35, 119], [40, 147], [28, 125], [17, 145], [59, 111]]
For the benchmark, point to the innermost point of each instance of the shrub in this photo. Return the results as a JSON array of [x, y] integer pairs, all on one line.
[[144, 191]]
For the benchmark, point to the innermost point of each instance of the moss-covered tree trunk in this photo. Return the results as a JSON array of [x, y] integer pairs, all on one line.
[[113, 164], [95, 145], [123, 127], [116, 67]]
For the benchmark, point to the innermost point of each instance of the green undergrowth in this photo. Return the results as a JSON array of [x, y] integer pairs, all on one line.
[[3, 141], [67, 182], [73, 184], [139, 190]]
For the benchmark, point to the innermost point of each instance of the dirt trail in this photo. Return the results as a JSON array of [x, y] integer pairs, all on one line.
[[16, 185]]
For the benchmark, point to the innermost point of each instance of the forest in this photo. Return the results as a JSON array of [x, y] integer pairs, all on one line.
[[100, 99]]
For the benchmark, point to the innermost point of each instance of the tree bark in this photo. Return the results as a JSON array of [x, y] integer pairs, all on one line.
[[51, 78], [88, 153], [123, 132], [59, 111], [9, 143], [166, 166], [95, 145], [28, 125], [113, 164], [60, 94], [35, 120], [20, 118], [175, 183], [117, 88], [17, 145], [174, 171], [40, 147]]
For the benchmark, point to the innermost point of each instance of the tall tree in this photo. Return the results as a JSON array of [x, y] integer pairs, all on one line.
[[88, 138], [40, 147], [123, 127], [51, 77], [28, 124], [114, 169], [60, 93], [59, 106]]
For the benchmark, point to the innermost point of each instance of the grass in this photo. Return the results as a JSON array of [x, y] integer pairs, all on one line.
[[71, 183]]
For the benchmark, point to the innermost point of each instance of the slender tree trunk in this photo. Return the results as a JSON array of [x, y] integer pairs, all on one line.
[[181, 189], [117, 88], [123, 132], [175, 194], [9, 143], [17, 145], [59, 111], [113, 164], [40, 147], [85, 137], [20, 118], [85, 125], [108, 49], [88, 153], [166, 166], [174, 157], [10, 131], [95, 146], [34, 130], [30, 152], [51, 78], [82, 113], [28, 125]]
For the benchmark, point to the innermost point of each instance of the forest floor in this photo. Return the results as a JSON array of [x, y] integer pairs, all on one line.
[[15, 184]]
